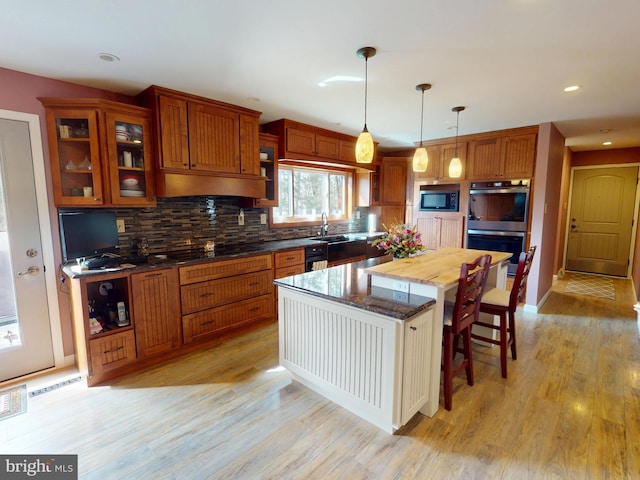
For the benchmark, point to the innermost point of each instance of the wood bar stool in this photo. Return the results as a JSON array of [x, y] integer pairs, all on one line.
[[458, 318], [496, 301]]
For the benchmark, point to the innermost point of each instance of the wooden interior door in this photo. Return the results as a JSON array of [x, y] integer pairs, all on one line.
[[601, 220]]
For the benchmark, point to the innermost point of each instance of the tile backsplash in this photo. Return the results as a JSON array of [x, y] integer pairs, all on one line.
[[189, 222]]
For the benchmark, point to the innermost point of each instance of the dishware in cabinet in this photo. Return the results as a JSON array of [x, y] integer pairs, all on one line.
[[74, 146], [269, 171], [130, 165], [87, 137]]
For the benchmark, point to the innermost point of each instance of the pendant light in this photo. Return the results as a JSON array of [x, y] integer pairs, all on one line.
[[420, 157], [364, 145], [455, 166]]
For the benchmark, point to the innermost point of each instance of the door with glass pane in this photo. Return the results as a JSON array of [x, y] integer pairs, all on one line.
[[25, 333]]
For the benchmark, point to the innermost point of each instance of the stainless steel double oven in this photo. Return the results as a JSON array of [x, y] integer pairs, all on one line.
[[498, 217]]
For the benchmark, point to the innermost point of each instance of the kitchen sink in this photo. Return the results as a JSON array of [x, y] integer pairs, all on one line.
[[332, 238]]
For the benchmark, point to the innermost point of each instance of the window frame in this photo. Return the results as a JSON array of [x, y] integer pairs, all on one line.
[[314, 220]]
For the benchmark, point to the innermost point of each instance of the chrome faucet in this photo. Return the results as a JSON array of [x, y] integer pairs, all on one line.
[[324, 225]]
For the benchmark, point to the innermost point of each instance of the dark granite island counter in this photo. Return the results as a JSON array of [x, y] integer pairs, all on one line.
[[362, 346]]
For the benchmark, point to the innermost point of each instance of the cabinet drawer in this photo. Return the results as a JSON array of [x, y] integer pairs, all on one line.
[[200, 296], [202, 324], [112, 351], [289, 258], [224, 268], [288, 271]]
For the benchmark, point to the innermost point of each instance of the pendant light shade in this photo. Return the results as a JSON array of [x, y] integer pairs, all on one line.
[[364, 145], [455, 166], [420, 157]]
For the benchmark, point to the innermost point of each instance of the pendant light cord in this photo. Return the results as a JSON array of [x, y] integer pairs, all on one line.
[[366, 83], [457, 127], [421, 117]]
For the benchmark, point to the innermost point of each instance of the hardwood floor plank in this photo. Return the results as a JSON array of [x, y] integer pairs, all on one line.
[[569, 409]]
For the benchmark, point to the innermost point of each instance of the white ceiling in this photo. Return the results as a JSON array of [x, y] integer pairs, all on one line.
[[507, 61]]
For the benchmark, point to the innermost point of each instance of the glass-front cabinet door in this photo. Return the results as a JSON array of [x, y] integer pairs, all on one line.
[[75, 157], [129, 159]]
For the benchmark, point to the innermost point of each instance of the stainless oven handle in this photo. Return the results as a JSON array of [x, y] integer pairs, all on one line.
[[496, 233], [499, 190]]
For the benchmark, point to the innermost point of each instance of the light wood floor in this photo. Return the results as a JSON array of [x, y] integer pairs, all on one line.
[[570, 409]]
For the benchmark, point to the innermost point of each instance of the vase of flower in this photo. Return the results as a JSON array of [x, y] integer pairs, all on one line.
[[400, 241]]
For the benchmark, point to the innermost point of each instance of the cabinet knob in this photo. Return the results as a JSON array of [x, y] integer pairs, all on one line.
[[413, 328]]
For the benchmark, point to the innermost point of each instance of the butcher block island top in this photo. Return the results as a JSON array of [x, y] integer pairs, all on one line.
[[440, 268]]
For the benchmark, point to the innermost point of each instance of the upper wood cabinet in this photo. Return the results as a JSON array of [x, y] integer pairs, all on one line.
[[299, 141], [440, 156], [310, 143], [101, 153], [393, 190], [510, 156], [268, 165], [394, 181], [204, 135], [214, 140]]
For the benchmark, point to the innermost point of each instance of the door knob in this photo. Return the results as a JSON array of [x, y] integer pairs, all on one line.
[[32, 270]]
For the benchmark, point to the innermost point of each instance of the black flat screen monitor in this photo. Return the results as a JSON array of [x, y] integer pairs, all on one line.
[[87, 234]]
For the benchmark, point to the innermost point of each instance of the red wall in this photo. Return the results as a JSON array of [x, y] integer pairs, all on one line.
[[19, 92]]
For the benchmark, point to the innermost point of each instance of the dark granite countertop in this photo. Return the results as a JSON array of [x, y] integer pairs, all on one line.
[[350, 285], [186, 257]]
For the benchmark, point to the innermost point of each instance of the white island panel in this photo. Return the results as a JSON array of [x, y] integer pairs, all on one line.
[[356, 358]]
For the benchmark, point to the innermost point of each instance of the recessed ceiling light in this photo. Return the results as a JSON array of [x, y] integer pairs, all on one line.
[[606, 143], [108, 57], [572, 88]]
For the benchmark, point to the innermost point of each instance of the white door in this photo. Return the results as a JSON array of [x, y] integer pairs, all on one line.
[[601, 220], [25, 333]]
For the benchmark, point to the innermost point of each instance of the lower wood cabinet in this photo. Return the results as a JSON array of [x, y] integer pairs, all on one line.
[[112, 352], [156, 310], [215, 320], [439, 232], [169, 311], [290, 262], [218, 296]]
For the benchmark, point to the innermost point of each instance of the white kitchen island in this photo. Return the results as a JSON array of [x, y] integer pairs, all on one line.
[[363, 347], [368, 335]]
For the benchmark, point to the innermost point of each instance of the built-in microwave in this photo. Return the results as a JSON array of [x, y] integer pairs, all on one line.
[[439, 200]]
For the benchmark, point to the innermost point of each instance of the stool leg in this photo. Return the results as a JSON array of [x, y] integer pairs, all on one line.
[[512, 333], [466, 339], [448, 369], [503, 344]]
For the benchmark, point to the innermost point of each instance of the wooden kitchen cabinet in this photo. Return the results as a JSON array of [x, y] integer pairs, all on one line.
[[101, 153], [393, 190], [156, 311], [394, 181], [299, 141], [218, 296], [440, 231], [309, 142], [287, 263], [440, 156], [269, 171], [103, 349], [205, 147], [511, 156], [202, 135]]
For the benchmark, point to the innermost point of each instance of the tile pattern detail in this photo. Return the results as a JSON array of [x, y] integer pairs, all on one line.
[[592, 285]]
